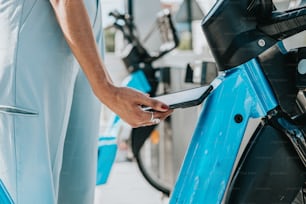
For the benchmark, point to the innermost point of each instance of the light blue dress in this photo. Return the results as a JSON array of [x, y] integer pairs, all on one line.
[[49, 116]]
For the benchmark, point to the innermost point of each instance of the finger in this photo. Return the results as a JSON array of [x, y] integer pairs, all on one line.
[[157, 118], [154, 122], [147, 117], [163, 115], [148, 124], [154, 119], [155, 104], [144, 99]]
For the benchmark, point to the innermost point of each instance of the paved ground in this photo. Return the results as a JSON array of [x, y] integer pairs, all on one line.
[[127, 186]]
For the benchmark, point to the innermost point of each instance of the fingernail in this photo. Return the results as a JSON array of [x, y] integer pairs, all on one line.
[[165, 107]]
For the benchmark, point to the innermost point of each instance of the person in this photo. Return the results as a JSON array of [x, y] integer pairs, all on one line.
[[52, 81]]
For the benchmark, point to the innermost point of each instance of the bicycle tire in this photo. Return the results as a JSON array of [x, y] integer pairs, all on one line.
[[166, 191], [138, 138]]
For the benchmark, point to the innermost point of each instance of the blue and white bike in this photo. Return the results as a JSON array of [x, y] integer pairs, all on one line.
[[144, 77], [260, 53]]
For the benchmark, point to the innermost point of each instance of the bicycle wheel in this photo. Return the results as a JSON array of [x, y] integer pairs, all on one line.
[[146, 147]]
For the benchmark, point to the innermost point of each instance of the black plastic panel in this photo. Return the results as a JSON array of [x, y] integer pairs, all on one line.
[[271, 171], [231, 32]]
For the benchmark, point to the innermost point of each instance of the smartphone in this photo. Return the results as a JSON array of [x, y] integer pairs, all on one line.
[[185, 98]]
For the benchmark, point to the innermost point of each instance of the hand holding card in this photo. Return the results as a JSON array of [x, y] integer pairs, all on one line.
[[184, 99]]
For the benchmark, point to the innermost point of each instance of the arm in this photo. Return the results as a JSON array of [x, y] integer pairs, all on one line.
[[74, 22]]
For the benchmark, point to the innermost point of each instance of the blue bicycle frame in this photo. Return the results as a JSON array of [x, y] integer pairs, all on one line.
[[243, 93]]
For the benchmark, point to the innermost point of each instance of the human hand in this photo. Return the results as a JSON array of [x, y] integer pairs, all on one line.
[[128, 103]]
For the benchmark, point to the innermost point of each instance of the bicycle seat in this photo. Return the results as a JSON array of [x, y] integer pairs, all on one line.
[[239, 30]]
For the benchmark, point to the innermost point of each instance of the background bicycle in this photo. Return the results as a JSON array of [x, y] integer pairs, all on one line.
[[144, 77]]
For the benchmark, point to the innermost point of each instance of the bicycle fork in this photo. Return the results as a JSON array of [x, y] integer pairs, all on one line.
[[243, 93]]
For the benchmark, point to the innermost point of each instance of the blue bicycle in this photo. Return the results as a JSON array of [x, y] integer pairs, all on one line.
[[144, 77], [263, 78]]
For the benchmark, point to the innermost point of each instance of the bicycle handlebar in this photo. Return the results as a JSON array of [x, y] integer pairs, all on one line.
[[284, 24], [129, 31], [247, 35], [117, 15]]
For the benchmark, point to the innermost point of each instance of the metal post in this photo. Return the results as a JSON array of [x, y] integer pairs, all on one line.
[[130, 7], [189, 19]]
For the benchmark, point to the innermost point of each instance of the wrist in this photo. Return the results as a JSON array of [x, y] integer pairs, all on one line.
[[104, 89]]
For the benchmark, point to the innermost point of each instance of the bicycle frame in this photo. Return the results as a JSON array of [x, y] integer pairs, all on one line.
[[237, 31], [243, 93]]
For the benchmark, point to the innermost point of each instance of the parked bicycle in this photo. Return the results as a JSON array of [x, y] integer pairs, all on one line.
[[260, 53], [144, 77]]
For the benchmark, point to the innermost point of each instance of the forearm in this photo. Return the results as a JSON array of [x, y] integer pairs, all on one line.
[[74, 22]]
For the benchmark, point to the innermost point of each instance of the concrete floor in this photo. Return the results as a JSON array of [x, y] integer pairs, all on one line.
[[127, 186]]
